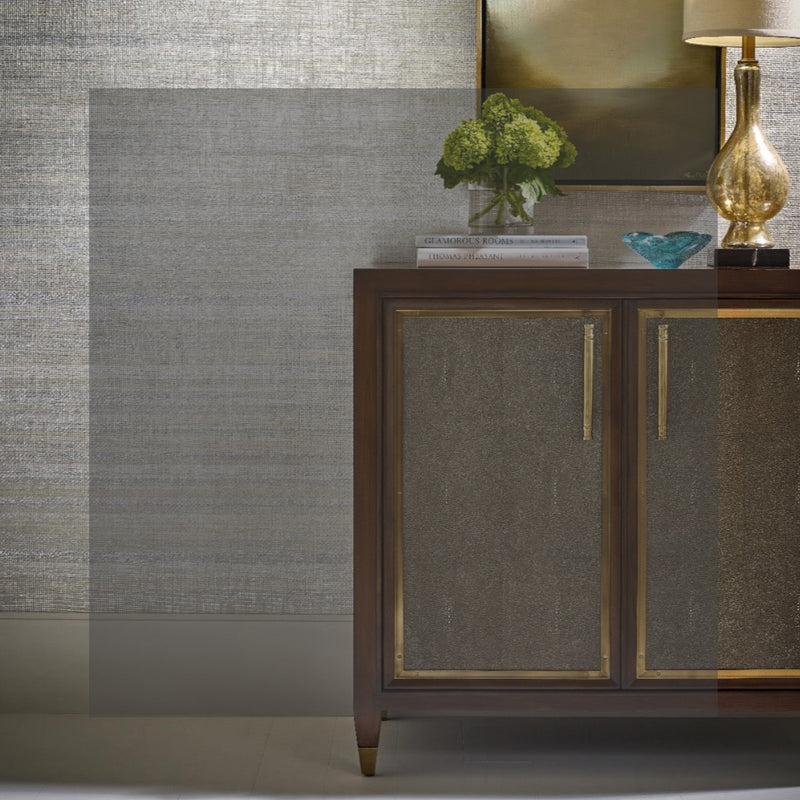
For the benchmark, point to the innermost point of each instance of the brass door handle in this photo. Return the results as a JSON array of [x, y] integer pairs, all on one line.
[[663, 366], [588, 379]]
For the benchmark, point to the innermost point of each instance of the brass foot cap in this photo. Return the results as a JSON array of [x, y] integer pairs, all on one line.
[[368, 756]]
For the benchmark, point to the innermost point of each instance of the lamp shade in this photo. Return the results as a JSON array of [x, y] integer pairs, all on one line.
[[723, 23]]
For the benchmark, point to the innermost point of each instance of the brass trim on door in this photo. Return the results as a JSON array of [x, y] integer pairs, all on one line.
[[645, 314], [663, 367], [588, 380], [398, 668]]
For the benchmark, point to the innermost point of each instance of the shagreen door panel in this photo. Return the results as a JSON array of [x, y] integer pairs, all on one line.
[[719, 538], [500, 476]]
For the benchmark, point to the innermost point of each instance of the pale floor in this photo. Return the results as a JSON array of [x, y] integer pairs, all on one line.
[[56, 757]]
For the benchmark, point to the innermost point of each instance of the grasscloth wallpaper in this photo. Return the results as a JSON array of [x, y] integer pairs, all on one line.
[[225, 225], [218, 426]]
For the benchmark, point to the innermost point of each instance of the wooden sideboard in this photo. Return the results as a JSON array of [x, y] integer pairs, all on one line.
[[576, 491]]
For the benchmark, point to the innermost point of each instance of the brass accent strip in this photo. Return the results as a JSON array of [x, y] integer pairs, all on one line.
[[479, 50], [714, 674], [663, 365], [604, 672], [751, 312], [399, 319], [723, 92], [642, 671], [641, 532], [588, 379], [605, 512], [503, 313], [507, 674]]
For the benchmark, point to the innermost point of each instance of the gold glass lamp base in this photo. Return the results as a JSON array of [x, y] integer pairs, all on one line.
[[745, 233], [748, 183]]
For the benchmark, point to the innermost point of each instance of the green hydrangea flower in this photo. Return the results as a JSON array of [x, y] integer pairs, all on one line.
[[522, 140], [509, 148], [466, 146], [497, 111], [568, 153], [567, 156]]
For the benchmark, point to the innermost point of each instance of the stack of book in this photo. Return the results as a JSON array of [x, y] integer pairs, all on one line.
[[453, 250]]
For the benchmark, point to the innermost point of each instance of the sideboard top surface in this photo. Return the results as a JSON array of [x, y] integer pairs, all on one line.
[[617, 283]]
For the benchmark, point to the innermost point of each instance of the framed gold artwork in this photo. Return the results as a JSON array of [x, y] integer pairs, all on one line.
[[642, 107]]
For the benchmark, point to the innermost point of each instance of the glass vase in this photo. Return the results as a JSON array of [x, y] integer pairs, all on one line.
[[492, 210]]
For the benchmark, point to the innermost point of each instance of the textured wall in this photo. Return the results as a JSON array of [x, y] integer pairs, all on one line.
[[225, 226], [53, 54]]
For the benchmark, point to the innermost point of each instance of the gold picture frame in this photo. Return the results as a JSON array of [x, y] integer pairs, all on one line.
[[644, 109]]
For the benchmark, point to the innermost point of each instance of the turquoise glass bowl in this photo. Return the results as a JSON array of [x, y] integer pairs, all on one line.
[[666, 252]]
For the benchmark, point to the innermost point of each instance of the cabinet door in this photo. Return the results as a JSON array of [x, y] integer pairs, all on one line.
[[718, 589], [498, 558]]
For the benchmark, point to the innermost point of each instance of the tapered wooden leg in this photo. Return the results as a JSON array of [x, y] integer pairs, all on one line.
[[368, 731]]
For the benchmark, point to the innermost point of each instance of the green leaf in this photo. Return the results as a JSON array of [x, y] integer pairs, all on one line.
[[450, 176], [539, 185]]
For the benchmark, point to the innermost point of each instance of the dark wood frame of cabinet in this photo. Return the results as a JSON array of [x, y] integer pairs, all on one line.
[[377, 693]]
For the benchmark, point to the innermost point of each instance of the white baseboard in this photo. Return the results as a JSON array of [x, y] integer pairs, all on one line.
[[176, 665]]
